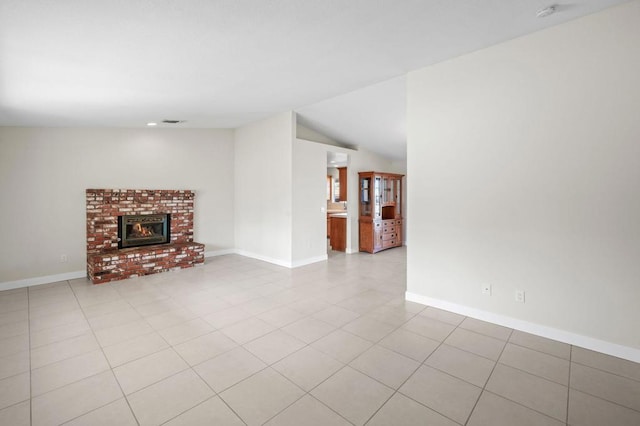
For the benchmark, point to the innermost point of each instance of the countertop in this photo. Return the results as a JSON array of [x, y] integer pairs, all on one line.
[[341, 214]]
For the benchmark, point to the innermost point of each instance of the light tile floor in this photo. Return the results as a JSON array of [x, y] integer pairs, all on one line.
[[239, 341]]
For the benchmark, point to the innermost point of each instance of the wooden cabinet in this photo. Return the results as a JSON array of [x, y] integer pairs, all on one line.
[[328, 226], [342, 178], [380, 220], [338, 233]]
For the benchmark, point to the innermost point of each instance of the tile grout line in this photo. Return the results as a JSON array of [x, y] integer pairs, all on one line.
[[345, 364], [105, 357], [592, 395], [199, 404], [504, 397], [607, 372], [523, 406], [606, 400], [276, 371], [533, 374], [537, 350], [305, 393], [337, 371], [455, 347], [488, 378], [395, 391], [215, 394]]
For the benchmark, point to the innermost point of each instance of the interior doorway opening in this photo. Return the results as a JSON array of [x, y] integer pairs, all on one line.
[[337, 202]]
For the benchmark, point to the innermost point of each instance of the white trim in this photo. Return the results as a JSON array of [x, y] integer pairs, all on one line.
[[219, 252], [309, 260], [285, 263], [614, 349], [28, 282]]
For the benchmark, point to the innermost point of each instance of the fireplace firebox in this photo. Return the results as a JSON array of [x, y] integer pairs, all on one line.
[[142, 230]]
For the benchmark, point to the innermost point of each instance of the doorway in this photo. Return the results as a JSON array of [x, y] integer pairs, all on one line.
[[337, 213]]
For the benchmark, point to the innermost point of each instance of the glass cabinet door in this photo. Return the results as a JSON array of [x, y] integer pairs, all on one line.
[[377, 190], [365, 196], [385, 190], [398, 197]]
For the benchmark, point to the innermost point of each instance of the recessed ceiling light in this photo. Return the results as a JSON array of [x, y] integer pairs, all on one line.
[[546, 11], [152, 124]]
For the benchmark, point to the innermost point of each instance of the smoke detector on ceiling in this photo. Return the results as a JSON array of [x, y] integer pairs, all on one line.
[[542, 13]]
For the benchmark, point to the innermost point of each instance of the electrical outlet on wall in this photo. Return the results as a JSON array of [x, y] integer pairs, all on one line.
[[520, 296], [64, 258], [486, 289]]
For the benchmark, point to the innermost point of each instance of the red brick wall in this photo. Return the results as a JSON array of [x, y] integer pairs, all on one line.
[[106, 263], [105, 205], [138, 261]]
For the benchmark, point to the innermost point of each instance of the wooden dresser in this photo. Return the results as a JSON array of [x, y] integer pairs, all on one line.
[[380, 219]]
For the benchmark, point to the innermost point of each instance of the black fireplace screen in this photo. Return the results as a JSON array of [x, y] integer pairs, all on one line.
[[142, 230]]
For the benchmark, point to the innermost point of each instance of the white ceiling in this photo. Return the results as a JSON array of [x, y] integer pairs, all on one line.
[[223, 63], [337, 159]]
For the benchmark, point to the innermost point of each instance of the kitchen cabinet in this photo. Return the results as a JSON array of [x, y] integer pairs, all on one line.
[[342, 178], [338, 231], [328, 226], [380, 206]]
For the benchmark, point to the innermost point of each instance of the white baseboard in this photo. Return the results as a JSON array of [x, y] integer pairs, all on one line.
[[219, 252], [28, 282], [614, 349], [286, 263], [308, 261], [279, 262]]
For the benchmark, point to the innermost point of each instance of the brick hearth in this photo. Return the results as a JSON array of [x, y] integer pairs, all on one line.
[[106, 263]]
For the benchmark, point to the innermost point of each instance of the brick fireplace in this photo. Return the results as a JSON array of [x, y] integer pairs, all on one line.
[[106, 262]]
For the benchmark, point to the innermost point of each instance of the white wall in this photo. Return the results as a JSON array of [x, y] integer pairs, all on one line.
[[309, 236], [524, 170], [263, 188], [333, 172], [308, 134], [44, 173]]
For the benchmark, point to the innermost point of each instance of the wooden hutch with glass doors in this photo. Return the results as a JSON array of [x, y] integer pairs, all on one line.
[[380, 218]]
